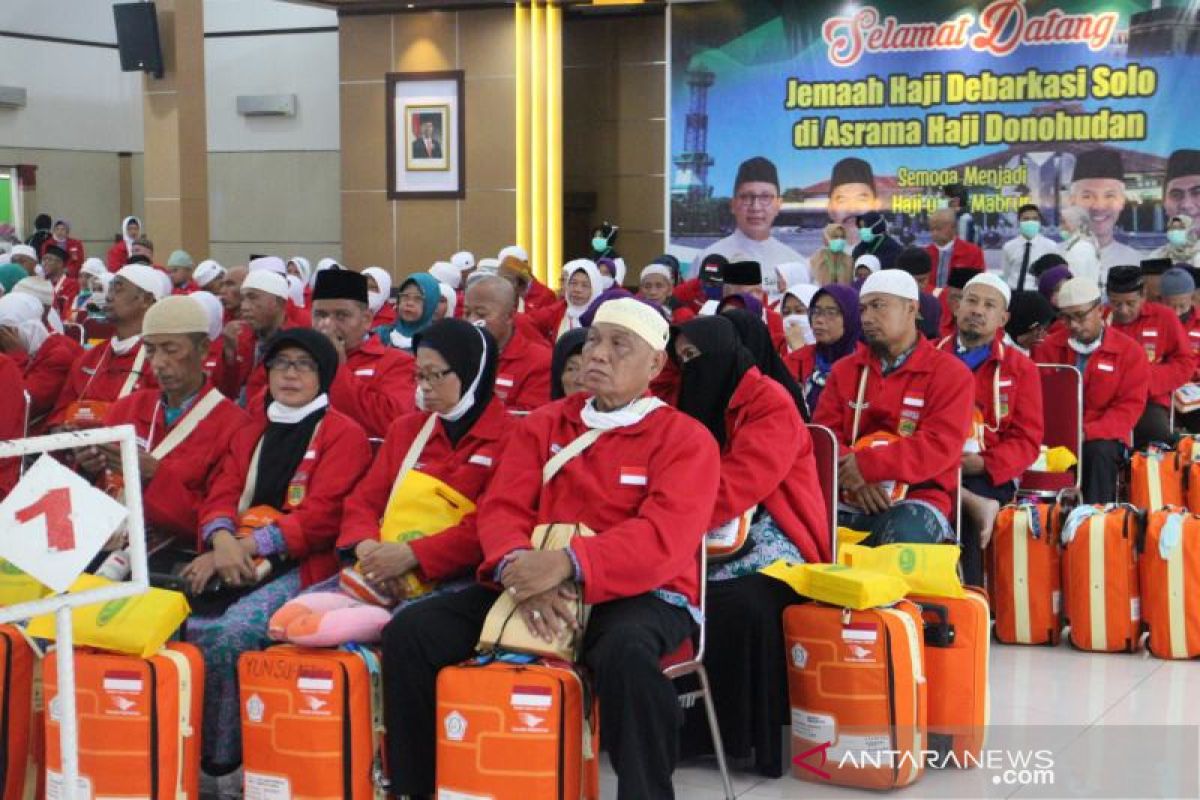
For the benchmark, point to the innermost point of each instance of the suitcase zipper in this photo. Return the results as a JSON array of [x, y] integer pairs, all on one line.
[[154, 744], [4, 712], [562, 740], [347, 744], [891, 678]]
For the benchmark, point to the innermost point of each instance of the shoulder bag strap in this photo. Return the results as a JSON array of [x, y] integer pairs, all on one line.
[[414, 452], [581, 443], [252, 474], [184, 428], [135, 373]]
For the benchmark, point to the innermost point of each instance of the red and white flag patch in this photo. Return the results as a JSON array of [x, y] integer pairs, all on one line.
[[532, 697], [633, 476], [123, 681]]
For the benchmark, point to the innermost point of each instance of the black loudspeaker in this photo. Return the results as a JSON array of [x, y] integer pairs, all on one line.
[[137, 38]]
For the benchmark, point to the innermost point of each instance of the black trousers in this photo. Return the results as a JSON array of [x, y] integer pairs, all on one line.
[[1154, 426], [624, 643], [1102, 463], [971, 558]]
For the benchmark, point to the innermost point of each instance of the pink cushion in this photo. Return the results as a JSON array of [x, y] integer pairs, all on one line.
[[327, 619]]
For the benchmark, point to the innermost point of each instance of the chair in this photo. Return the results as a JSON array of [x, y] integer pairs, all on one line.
[[98, 329], [75, 331], [825, 453], [689, 660], [28, 412], [1063, 428]]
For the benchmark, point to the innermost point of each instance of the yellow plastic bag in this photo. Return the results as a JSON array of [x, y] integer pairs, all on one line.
[[848, 536], [17, 587], [137, 626], [421, 506], [928, 569], [839, 585], [1059, 459]]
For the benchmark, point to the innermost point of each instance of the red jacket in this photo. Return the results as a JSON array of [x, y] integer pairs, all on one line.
[[66, 289], [523, 372], [544, 322], [1012, 434], [932, 391], [1114, 382], [690, 295], [801, 363], [337, 457], [187, 288], [1160, 333], [647, 490], [75, 254], [962, 254], [117, 256], [12, 420], [768, 460], [375, 386], [1191, 327], [47, 372], [466, 467], [100, 374], [172, 499], [386, 317], [538, 296]]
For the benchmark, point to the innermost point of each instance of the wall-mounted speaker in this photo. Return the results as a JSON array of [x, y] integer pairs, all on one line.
[[137, 38]]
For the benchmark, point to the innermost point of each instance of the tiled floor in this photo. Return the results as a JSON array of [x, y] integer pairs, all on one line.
[[1081, 706]]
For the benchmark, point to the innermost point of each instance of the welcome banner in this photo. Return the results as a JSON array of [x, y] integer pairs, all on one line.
[[879, 105]]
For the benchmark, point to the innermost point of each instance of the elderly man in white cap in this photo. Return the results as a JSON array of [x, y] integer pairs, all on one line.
[[116, 368], [25, 257], [1006, 433], [901, 410], [639, 572], [1116, 380], [208, 275], [264, 308], [183, 425]]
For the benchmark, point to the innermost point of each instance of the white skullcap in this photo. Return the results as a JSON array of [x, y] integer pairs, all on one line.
[[992, 282], [168, 288], [463, 260], [513, 251], [267, 281], [23, 250], [869, 261], [446, 273], [23, 313], [145, 278], [215, 311], [39, 288], [94, 267], [895, 282], [656, 269], [451, 298], [207, 272], [491, 265], [1077, 292], [177, 314], [269, 264], [296, 290], [637, 317]]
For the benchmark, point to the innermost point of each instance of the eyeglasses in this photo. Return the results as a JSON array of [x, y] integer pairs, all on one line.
[[433, 377], [816, 312], [301, 366], [412, 297], [749, 200], [1078, 316]]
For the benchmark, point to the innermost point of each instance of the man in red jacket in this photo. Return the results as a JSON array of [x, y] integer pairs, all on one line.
[[947, 251], [115, 369], [183, 427], [639, 572], [12, 420], [264, 309], [374, 385], [66, 287], [899, 385], [1116, 375], [1008, 424], [1158, 330], [514, 268], [523, 373]]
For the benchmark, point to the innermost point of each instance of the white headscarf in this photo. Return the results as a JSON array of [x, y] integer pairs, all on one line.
[[446, 273], [94, 267], [23, 313], [451, 298], [589, 268], [296, 291], [129, 240], [322, 265], [383, 280], [216, 312], [306, 270]]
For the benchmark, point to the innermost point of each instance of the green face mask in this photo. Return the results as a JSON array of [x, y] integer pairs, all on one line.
[[1030, 228], [866, 234], [1177, 237], [837, 245], [599, 244]]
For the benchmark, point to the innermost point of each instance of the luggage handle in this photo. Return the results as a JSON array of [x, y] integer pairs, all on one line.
[[938, 631]]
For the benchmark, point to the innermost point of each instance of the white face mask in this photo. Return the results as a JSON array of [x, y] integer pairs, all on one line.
[[800, 321], [606, 283], [420, 397]]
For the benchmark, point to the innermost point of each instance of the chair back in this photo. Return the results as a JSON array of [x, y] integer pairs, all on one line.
[[1062, 407], [75, 331], [825, 453]]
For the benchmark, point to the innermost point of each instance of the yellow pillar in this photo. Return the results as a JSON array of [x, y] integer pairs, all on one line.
[[524, 181], [554, 179], [176, 138]]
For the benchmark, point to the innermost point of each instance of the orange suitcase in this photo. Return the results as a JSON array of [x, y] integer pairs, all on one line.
[[956, 667], [20, 704], [1170, 577], [1025, 578], [1156, 478], [312, 723], [139, 723], [856, 682], [514, 731], [1101, 603]]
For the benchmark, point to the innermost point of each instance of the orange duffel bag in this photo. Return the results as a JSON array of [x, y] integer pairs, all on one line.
[[1102, 604], [139, 723], [856, 683], [20, 705], [1024, 575], [516, 731], [312, 723], [1170, 577], [956, 668], [1156, 478]]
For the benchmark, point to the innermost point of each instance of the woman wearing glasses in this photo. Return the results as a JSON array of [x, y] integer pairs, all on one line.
[[269, 524]]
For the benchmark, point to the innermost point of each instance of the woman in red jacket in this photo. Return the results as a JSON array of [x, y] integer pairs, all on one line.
[[837, 329], [769, 488], [122, 250], [275, 503]]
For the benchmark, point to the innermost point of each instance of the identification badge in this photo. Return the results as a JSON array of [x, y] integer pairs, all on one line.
[[907, 427], [1003, 405], [295, 494]]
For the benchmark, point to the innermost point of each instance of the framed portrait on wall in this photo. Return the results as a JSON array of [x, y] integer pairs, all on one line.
[[425, 135]]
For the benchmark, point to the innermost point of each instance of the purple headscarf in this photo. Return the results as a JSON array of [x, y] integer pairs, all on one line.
[[615, 293], [749, 302], [1051, 278], [846, 298]]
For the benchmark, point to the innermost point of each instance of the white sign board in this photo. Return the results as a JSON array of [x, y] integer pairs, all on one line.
[[54, 522]]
